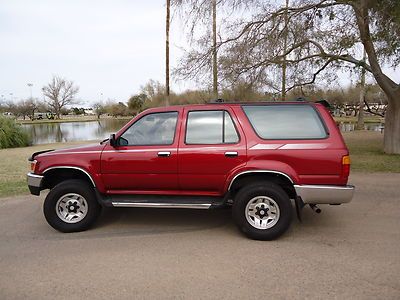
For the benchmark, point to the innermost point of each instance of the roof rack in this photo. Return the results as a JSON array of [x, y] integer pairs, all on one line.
[[219, 100]]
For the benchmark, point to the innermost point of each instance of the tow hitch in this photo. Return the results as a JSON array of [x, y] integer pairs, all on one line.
[[315, 208]]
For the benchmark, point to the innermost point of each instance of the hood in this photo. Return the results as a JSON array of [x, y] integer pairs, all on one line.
[[93, 148]]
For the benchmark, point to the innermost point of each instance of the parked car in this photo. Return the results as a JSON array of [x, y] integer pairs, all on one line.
[[259, 158], [43, 115]]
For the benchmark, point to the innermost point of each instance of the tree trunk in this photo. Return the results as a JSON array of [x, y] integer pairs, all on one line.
[[360, 121], [214, 48], [392, 127], [389, 87], [167, 23]]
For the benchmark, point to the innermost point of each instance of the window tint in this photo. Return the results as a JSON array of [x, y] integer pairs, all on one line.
[[210, 127], [152, 129], [285, 121]]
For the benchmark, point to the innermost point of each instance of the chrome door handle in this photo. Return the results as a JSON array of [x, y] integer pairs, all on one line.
[[164, 153], [231, 154]]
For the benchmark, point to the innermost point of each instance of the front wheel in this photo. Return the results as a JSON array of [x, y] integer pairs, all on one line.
[[262, 211], [71, 206]]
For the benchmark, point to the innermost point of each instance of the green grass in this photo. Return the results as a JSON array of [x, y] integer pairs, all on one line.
[[14, 165], [366, 153]]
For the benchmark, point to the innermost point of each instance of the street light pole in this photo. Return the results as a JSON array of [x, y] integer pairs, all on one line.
[[30, 88]]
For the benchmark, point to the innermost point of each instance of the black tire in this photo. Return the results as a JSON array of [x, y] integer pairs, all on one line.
[[79, 187], [273, 192]]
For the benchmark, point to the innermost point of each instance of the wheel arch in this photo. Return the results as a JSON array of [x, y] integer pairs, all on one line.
[[55, 175], [246, 177]]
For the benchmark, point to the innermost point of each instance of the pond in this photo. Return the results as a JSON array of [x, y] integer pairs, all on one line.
[[344, 126], [73, 131], [101, 129]]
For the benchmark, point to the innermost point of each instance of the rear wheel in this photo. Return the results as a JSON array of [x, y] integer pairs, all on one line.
[[71, 206], [262, 210]]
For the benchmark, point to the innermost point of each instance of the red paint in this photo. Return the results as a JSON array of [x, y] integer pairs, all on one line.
[[204, 169]]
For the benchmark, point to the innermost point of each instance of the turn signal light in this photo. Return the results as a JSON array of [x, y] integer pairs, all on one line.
[[33, 165], [346, 166]]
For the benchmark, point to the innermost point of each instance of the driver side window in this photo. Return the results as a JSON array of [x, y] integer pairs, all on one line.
[[151, 129]]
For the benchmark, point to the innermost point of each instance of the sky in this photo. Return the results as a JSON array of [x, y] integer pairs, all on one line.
[[108, 48]]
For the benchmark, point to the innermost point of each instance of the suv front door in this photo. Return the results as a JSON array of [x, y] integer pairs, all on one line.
[[145, 157]]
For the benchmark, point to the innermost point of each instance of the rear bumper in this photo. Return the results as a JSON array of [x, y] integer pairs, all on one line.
[[34, 183], [325, 194]]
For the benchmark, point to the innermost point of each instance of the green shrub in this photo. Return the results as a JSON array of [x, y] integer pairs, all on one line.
[[11, 134]]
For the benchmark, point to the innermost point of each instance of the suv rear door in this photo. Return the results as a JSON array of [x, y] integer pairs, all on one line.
[[211, 146]]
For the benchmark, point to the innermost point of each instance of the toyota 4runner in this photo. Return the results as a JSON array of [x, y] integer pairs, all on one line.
[[266, 160]]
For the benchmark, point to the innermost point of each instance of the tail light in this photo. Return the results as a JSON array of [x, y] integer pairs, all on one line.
[[346, 166]]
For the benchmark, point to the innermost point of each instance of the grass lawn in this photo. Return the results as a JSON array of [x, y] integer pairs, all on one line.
[[14, 165], [365, 152]]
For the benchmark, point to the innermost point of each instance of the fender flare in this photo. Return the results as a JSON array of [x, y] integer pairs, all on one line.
[[72, 167], [259, 171]]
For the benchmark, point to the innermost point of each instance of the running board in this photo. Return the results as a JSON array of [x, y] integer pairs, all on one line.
[[152, 201], [162, 205]]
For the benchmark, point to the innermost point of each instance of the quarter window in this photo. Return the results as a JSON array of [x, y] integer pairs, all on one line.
[[285, 121], [210, 127], [152, 129]]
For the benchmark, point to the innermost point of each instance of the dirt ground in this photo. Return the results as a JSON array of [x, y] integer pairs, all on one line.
[[347, 252]]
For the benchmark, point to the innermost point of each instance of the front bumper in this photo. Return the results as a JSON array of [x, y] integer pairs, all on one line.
[[325, 194], [34, 183]]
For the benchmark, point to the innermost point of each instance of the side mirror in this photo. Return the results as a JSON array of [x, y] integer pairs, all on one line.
[[112, 140]]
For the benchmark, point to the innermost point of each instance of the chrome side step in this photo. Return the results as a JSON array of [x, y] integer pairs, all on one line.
[[161, 201], [162, 205]]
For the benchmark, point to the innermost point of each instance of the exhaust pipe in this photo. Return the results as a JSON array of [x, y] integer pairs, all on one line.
[[315, 208]]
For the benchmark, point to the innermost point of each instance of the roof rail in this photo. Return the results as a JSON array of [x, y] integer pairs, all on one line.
[[219, 100]]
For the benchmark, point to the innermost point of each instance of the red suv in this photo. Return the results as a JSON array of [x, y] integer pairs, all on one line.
[[255, 157]]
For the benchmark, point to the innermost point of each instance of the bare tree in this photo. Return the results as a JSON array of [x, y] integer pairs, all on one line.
[[323, 35], [59, 93], [99, 109], [214, 48]]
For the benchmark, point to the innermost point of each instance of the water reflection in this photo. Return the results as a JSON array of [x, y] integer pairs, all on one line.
[[74, 131], [344, 127], [98, 130]]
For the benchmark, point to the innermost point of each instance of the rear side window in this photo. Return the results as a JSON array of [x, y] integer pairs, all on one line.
[[285, 121], [210, 127]]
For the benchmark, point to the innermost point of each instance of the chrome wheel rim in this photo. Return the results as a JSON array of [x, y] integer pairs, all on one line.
[[262, 212], [71, 208]]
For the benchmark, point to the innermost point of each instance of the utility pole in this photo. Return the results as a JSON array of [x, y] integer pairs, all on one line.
[[214, 49], [360, 120], [167, 23], [285, 36]]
